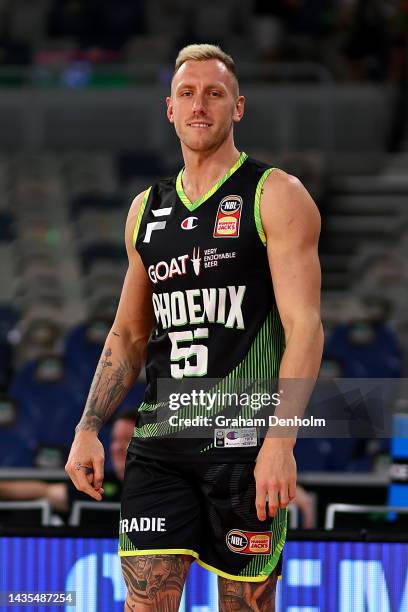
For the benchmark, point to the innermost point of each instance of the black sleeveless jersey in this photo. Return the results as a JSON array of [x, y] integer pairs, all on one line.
[[214, 307]]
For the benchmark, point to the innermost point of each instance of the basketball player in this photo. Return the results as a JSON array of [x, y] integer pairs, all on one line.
[[223, 282]]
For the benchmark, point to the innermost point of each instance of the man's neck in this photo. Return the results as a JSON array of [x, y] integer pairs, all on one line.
[[202, 170]]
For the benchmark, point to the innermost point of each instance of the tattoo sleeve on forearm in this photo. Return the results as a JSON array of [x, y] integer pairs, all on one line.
[[111, 383], [237, 596], [156, 581]]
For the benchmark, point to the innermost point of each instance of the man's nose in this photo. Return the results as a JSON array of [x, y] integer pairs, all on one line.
[[198, 103]]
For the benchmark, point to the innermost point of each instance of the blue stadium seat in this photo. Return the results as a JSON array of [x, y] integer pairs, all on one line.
[[47, 410], [16, 448], [324, 454], [379, 358], [83, 347]]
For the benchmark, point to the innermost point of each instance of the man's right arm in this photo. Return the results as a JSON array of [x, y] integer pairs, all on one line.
[[120, 364]]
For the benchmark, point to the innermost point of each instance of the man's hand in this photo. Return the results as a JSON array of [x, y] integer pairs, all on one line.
[[275, 476], [87, 452]]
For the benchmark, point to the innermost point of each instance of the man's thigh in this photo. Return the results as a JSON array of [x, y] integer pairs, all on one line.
[[237, 596], [155, 582]]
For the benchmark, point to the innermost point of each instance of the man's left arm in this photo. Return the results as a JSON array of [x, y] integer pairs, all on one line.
[[291, 223]]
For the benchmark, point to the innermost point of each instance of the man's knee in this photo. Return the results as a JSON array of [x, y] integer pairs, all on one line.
[[155, 582]]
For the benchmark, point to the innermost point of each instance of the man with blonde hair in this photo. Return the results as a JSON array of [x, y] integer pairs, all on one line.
[[223, 283]]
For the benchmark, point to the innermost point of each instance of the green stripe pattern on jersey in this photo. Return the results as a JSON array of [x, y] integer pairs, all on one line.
[[261, 362]]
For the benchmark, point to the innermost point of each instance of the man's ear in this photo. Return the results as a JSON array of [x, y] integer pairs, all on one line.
[[239, 109], [169, 109]]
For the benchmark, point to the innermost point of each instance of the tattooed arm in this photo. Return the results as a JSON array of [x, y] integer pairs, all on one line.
[[122, 358]]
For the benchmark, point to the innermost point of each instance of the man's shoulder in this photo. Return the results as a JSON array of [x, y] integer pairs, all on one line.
[[272, 178], [286, 205], [260, 165], [281, 183], [165, 182], [158, 186]]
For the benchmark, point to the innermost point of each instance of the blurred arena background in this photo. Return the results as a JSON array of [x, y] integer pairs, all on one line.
[[83, 129]]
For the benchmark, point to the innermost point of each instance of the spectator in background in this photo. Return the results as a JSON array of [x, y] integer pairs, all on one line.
[[62, 494], [294, 29], [268, 29], [366, 50]]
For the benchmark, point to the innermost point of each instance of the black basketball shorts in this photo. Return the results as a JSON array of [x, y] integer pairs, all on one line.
[[203, 510]]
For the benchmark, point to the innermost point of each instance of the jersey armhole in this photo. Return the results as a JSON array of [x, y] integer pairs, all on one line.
[[140, 215], [257, 205]]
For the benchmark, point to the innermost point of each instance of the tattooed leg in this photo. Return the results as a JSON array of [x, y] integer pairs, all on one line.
[[155, 582], [237, 596]]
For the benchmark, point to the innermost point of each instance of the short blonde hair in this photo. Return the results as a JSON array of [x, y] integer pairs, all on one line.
[[205, 51]]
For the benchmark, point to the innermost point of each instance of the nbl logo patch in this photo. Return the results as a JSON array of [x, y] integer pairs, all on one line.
[[228, 217], [249, 542], [237, 541]]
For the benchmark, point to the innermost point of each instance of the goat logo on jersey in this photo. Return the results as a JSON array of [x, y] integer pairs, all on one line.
[[228, 217], [196, 261], [177, 267]]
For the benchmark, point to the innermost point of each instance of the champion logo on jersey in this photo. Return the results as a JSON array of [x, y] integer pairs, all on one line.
[[228, 217], [189, 223]]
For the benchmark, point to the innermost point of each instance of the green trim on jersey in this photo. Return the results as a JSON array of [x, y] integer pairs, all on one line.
[[261, 362], [140, 215], [257, 211], [193, 205]]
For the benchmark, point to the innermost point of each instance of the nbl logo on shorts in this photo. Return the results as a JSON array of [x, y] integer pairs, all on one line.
[[237, 540], [249, 542]]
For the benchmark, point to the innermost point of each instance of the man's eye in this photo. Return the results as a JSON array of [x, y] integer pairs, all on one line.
[[215, 94], [186, 93]]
